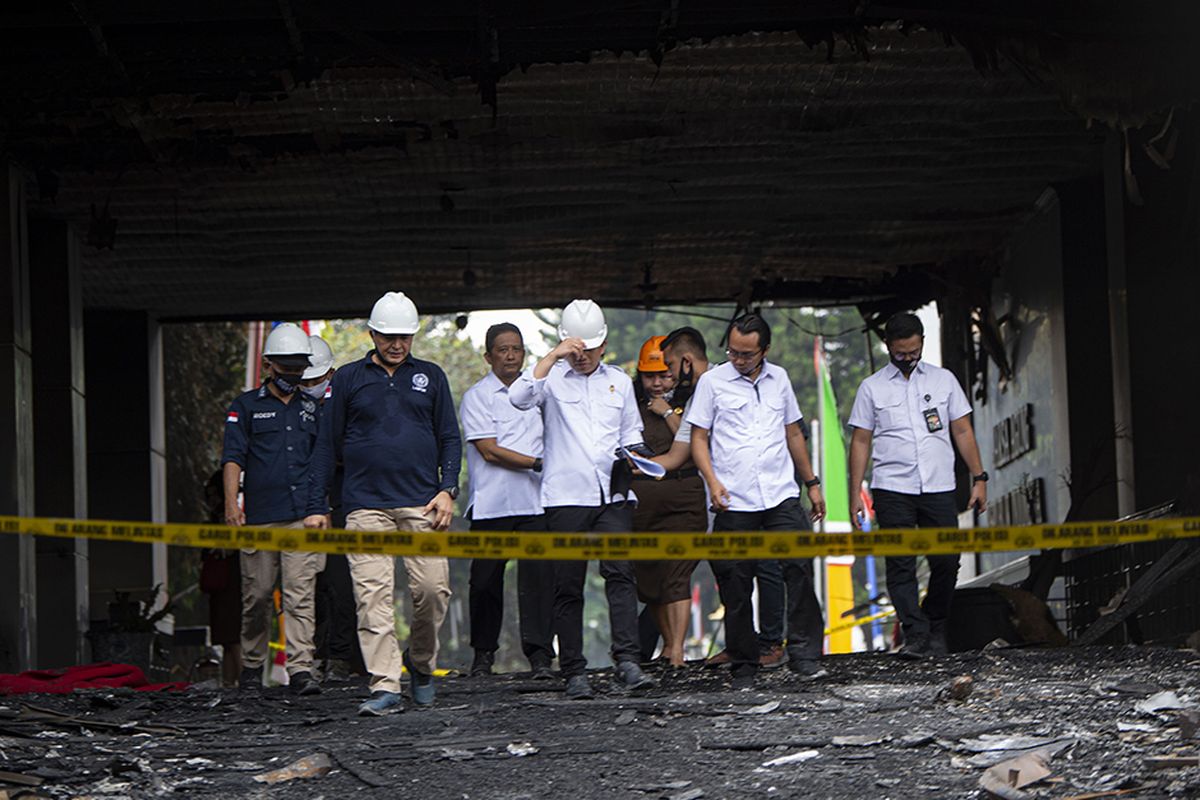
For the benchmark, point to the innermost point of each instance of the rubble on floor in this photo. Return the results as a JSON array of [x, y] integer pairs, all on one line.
[[1036, 723]]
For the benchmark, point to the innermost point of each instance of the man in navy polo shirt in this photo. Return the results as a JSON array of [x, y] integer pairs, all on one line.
[[390, 419], [269, 437]]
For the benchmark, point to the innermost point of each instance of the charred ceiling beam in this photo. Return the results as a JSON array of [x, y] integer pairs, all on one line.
[[368, 44], [99, 40], [488, 72], [295, 39]]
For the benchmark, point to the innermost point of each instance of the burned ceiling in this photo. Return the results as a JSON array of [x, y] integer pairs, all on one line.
[[293, 158]]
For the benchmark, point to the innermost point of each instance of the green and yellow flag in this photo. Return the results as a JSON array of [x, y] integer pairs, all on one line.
[[832, 458]]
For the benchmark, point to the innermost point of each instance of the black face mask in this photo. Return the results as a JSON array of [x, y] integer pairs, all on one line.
[[288, 384], [906, 366], [684, 387]]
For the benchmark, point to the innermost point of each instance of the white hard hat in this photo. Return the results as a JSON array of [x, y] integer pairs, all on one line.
[[583, 319], [393, 314], [287, 339], [321, 359]]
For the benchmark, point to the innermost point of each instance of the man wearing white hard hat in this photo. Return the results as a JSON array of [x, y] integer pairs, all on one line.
[[589, 411], [390, 419], [336, 638], [270, 433]]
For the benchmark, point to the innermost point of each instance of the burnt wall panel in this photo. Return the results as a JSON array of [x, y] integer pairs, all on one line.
[[1163, 261]]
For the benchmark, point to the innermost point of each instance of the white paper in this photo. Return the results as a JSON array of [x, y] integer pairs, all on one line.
[[647, 467]]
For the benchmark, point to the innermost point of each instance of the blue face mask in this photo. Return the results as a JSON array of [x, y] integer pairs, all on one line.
[[288, 384]]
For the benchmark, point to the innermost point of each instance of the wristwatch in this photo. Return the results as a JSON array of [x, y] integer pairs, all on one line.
[[537, 464], [981, 477], [670, 412], [452, 491], [816, 481]]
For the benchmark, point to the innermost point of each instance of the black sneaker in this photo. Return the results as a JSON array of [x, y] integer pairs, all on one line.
[[303, 684], [250, 678], [482, 665]]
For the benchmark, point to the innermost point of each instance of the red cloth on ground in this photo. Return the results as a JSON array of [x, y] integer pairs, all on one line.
[[84, 676]]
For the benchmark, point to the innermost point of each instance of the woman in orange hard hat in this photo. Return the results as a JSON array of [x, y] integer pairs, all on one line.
[[677, 502]]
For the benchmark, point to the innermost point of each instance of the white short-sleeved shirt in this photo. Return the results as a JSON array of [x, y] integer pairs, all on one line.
[[684, 433], [586, 418], [497, 491], [747, 440], [906, 456]]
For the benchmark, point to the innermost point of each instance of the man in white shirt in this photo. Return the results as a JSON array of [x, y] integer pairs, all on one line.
[[588, 410], [505, 467], [748, 445], [911, 409]]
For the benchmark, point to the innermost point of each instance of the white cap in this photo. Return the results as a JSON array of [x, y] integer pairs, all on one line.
[[321, 359], [583, 319], [394, 314], [287, 339]]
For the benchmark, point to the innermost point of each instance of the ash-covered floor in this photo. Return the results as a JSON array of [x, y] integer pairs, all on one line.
[[1106, 722]]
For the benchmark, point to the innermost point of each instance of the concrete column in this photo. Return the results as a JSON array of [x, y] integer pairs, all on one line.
[[60, 440], [126, 461], [1118, 321], [18, 573]]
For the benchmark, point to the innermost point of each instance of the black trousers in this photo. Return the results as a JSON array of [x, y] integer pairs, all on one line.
[[919, 620], [336, 634], [735, 580], [771, 601], [620, 587], [535, 594]]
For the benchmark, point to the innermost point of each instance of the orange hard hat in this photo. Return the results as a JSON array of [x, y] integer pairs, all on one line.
[[651, 357]]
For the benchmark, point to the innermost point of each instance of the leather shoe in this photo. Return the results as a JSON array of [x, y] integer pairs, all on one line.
[[916, 650], [631, 675], [578, 688], [482, 665], [540, 668], [772, 657], [303, 684], [721, 659]]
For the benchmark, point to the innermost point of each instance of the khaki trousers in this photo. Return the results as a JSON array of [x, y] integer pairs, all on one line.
[[260, 572], [374, 579]]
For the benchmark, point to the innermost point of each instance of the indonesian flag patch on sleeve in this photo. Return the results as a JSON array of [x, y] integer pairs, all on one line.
[[232, 416]]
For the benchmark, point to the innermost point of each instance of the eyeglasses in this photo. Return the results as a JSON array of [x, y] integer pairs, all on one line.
[[739, 355]]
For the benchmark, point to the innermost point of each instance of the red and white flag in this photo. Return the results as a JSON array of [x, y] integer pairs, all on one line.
[[232, 416]]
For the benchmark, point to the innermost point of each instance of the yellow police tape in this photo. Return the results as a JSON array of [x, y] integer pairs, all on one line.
[[855, 622], [620, 546]]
